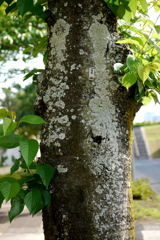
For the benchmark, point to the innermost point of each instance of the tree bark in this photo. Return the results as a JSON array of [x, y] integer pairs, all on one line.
[[88, 137]]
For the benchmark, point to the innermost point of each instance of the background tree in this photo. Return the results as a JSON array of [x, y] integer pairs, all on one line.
[[89, 114]]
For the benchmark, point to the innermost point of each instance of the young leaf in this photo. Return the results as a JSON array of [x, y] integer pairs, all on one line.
[[9, 126], [12, 115], [24, 6], [29, 149], [146, 100], [144, 5], [46, 173], [32, 200], [129, 41], [17, 206], [3, 113], [10, 141], [143, 72], [129, 79], [32, 119], [9, 190]]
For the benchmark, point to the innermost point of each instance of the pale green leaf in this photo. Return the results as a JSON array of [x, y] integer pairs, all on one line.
[[129, 41], [46, 173], [129, 79], [144, 5], [143, 72], [29, 149], [12, 115], [9, 190], [147, 100], [17, 206], [24, 6], [32, 200], [32, 119], [10, 141], [9, 126], [157, 28]]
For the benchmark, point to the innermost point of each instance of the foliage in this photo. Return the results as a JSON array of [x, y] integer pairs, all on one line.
[[30, 188], [22, 35], [141, 189], [21, 101]]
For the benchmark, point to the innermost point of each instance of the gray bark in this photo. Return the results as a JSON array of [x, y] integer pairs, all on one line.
[[88, 135]]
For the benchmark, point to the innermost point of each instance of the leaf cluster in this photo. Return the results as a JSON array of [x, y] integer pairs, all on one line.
[[31, 187], [142, 67], [27, 34]]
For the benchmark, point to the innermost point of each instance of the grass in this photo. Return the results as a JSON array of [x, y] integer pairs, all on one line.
[[147, 208], [146, 202]]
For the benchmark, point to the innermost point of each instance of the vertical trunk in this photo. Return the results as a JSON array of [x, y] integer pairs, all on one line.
[[87, 138]]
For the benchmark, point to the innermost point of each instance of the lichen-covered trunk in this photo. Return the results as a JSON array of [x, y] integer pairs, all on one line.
[[88, 135]]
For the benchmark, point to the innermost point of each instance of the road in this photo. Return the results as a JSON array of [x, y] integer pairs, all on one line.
[[148, 169]]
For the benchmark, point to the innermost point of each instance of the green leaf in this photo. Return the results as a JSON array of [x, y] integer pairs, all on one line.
[[1, 130], [154, 96], [25, 179], [143, 72], [8, 179], [144, 5], [129, 41], [146, 100], [31, 73], [24, 6], [12, 115], [46, 173], [29, 149], [157, 28], [32, 119], [15, 166], [129, 79], [1, 199], [17, 206], [24, 165], [9, 190], [22, 193], [3, 113], [133, 63], [11, 8], [33, 200], [10, 141], [1, 1], [9, 126]]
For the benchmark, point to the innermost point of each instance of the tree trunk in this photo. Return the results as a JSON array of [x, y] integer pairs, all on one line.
[[88, 137]]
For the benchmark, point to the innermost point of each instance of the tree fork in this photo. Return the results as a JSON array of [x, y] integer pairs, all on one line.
[[88, 135]]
